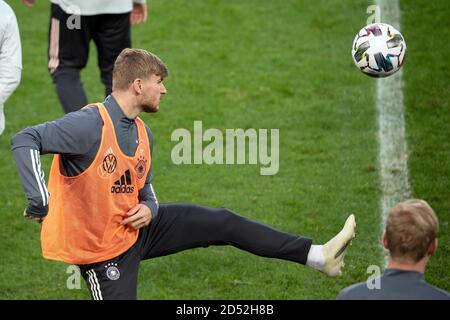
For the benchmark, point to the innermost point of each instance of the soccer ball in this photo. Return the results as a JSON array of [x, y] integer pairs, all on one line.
[[379, 50]]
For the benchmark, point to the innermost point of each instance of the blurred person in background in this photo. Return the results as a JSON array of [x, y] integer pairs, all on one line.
[[10, 57], [73, 24]]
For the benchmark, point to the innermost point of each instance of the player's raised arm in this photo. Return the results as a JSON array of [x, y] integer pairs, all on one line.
[[71, 136]]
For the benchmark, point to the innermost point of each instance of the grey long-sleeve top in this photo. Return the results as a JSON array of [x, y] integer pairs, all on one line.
[[395, 284], [76, 136]]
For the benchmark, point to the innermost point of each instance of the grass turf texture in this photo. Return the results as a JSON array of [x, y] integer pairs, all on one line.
[[253, 64]]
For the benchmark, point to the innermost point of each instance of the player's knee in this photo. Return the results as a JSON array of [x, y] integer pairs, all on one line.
[[224, 213], [228, 221]]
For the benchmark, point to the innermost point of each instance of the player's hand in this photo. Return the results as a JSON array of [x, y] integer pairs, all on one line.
[[139, 13], [29, 3], [33, 217], [138, 217]]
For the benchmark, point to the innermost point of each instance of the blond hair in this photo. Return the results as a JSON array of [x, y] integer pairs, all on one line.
[[411, 228], [132, 64]]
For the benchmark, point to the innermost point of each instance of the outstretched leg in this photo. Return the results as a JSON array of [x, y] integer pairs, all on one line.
[[183, 226]]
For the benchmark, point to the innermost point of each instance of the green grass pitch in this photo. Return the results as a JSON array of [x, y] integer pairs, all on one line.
[[254, 64]]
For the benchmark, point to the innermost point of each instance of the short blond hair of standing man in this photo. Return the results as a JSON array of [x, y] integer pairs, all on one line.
[[10, 57], [411, 238]]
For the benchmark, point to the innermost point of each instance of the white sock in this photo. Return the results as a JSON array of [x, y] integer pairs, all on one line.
[[316, 259]]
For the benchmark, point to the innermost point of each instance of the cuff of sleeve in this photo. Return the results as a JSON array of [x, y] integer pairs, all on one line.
[[153, 207], [37, 210]]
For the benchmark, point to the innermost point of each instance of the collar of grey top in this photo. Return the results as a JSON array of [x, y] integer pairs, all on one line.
[[115, 112], [404, 273]]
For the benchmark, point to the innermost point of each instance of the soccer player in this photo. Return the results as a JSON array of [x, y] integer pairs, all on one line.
[[100, 211], [411, 238], [73, 24], [10, 57]]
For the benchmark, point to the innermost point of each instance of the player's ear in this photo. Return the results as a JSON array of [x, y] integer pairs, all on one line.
[[137, 86], [433, 247], [384, 240]]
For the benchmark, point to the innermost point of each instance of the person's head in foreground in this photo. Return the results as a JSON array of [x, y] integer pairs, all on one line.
[[411, 235], [137, 81], [411, 239]]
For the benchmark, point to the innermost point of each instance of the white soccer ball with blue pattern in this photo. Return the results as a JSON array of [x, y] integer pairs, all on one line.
[[379, 50]]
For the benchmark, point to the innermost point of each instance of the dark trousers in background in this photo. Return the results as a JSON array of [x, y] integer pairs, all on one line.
[[69, 51], [179, 227]]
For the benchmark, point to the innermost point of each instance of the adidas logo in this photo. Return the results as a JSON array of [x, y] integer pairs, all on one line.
[[123, 185]]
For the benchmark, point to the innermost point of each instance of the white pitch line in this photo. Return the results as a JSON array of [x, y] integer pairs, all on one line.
[[393, 155]]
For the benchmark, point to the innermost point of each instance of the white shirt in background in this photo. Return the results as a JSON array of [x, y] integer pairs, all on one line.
[[10, 56]]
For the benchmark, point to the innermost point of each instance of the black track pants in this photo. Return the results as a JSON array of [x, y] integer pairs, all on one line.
[[69, 39], [180, 226]]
